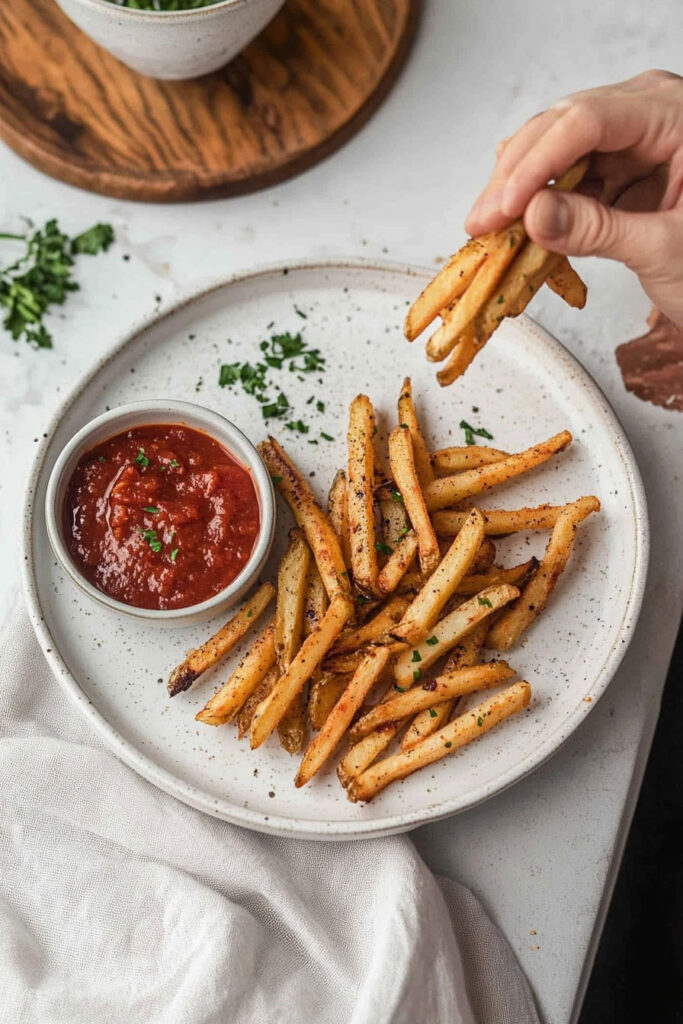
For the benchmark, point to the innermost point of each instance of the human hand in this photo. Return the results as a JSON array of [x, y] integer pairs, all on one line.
[[629, 206]]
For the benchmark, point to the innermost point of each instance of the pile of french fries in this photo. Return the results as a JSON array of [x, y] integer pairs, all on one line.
[[385, 604], [490, 278]]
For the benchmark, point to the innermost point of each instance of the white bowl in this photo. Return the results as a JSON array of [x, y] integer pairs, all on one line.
[[160, 411], [172, 44]]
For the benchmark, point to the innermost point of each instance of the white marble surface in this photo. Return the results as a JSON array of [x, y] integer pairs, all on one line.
[[543, 855]]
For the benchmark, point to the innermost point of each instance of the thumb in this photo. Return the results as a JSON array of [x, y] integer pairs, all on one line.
[[578, 225]]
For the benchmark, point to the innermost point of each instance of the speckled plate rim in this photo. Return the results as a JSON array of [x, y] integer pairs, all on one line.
[[294, 827]]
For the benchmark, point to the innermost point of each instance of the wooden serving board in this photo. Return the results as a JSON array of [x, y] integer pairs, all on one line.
[[301, 89]]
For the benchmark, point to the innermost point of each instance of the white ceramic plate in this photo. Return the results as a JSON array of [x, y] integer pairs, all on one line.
[[525, 387]]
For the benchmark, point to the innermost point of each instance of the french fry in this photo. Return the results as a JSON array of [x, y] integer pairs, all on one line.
[[338, 511], [502, 247], [250, 672], [324, 694], [307, 660], [324, 743], [446, 741], [405, 474], [210, 652], [485, 556], [444, 688], [362, 754], [316, 601], [461, 457], [516, 619], [466, 653], [474, 583], [498, 522], [308, 514], [373, 629], [246, 713], [441, 585], [343, 664], [449, 284], [407, 415], [414, 662], [360, 490], [289, 616], [398, 563], [566, 283], [394, 518], [449, 490]]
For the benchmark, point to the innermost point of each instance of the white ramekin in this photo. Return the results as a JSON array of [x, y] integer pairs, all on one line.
[[139, 414], [172, 44]]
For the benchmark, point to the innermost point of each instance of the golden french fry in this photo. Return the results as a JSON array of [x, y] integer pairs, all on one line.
[[360, 492], [394, 518], [398, 563], [461, 457], [456, 734], [250, 672], [246, 713], [498, 522], [445, 687], [324, 694], [361, 756], [473, 583], [408, 416], [449, 490], [373, 629], [449, 284], [338, 511], [466, 653], [308, 514], [502, 247], [343, 664], [566, 283], [411, 665], [316, 601], [210, 652], [516, 619], [441, 585], [324, 743], [464, 350], [307, 660], [405, 474], [289, 616]]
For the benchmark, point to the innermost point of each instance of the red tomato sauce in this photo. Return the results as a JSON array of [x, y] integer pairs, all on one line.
[[161, 516]]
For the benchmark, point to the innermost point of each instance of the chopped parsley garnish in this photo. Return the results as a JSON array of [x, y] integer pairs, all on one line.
[[485, 601], [432, 641], [404, 532], [276, 479], [297, 425], [396, 496], [101, 458], [401, 689], [152, 539], [174, 463], [384, 548], [404, 426], [416, 674], [42, 276], [326, 437], [416, 656], [174, 554], [480, 721], [141, 459], [320, 406], [300, 312], [432, 713], [362, 599], [151, 508], [471, 431]]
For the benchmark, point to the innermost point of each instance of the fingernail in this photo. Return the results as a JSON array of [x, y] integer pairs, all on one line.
[[488, 205], [551, 214]]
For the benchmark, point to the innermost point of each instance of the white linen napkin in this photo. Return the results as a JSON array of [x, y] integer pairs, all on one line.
[[118, 903]]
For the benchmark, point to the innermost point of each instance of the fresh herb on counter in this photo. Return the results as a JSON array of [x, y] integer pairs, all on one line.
[[43, 276]]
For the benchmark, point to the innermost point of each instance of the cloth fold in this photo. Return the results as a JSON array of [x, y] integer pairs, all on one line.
[[117, 902]]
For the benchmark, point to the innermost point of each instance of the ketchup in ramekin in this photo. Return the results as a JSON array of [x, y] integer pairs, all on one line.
[[161, 516]]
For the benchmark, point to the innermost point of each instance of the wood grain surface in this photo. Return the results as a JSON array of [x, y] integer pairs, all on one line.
[[311, 79]]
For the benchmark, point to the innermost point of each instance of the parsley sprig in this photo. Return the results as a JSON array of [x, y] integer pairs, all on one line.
[[279, 352], [43, 276], [470, 432]]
